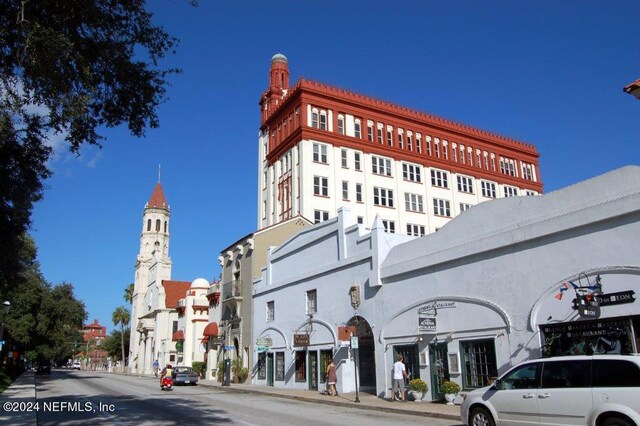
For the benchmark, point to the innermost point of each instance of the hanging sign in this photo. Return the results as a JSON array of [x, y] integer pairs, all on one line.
[[426, 324], [354, 342], [264, 341], [616, 298], [300, 340]]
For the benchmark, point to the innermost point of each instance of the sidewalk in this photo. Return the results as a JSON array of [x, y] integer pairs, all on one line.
[[24, 390], [367, 401]]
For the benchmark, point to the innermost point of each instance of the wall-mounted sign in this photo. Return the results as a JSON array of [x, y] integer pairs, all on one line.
[[426, 324], [264, 341], [345, 332], [354, 342], [431, 308], [300, 340]]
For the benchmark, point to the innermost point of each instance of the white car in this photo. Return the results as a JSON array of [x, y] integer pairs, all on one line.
[[75, 366], [598, 390]]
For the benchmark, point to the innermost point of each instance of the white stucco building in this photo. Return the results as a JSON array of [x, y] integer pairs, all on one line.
[[508, 280]]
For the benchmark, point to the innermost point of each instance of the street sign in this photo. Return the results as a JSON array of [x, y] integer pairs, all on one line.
[[354, 342], [229, 347], [262, 348]]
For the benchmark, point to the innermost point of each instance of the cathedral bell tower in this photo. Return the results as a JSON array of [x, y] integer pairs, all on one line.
[[153, 265]]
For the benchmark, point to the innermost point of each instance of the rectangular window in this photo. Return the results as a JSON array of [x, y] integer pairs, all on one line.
[[380, 135], [279, 366], [320, 216], [357, 130], [527, 171], [488, 189], [409, 143], [486, 161], [400, 141], [465, 184], [454, 154], [358, 192], [370, 132], [341, 125], [389, 226], [470, 154], [301, 366], [436, 149], [311, 302], [360, 220], [320, 186], [382, 197], [345, 190], [479, 363], [314, 119], [413, 202], [510, 191], [323, 121], [441, 207], [464, 207], [356, 162], [271, 311], [389, 137], [380, 166], [319, 153], [427, 145], [415, 230], [411, 172], [493, 164], [343, 156], [418, 145], [439, 178]]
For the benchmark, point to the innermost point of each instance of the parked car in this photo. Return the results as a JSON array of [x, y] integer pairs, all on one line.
[[597, 390], [43, 368], [184, 376], [75, 366]]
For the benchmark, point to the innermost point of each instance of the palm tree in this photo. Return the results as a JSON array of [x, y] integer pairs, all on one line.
[[128, 293], [121, 316]]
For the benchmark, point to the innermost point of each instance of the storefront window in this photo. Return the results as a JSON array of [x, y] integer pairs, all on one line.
[[301, 366], [262, 366], [325, 359], [280, 366], [479, 360], [587, 338]]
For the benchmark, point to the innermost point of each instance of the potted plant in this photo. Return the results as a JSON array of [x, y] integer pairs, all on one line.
[[418, 388], [450, 390]]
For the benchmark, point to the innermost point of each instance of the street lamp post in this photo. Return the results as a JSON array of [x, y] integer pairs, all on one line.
[[5, 309]]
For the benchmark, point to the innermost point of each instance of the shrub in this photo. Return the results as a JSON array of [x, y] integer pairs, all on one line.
[[418, 385], [199, 367], [448, 387]]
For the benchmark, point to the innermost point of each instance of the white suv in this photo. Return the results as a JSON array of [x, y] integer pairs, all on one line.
[[598, 390]]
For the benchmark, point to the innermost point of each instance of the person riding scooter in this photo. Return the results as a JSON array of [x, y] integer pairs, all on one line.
[[166, 377]]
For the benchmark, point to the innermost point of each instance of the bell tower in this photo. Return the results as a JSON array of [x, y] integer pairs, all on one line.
[[153, 265]]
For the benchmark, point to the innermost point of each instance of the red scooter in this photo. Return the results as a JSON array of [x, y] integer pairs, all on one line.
[[166, 383]]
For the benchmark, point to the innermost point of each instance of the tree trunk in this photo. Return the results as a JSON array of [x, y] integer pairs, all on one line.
[[122, 344]]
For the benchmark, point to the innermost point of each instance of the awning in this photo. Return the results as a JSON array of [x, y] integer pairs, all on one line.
[[178, 335], [211, 329]]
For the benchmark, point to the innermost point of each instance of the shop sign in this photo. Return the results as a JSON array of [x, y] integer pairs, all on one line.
[[263, 348], [587, 306], [216, 340], [426, 324], [616, 298], [300, 340], [354, 342], [264, 341], [431, 308]]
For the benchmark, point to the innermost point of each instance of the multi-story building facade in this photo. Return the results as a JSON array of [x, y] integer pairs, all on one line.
[[322, 147]]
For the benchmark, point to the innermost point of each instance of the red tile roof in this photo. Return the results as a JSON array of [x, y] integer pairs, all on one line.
[[157, 198], [174, 291]]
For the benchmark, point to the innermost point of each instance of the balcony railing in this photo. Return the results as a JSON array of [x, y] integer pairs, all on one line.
[[232, 290]]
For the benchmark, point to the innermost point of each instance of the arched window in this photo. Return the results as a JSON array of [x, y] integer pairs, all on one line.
[[157, 225], [166, 226], [149, 225]]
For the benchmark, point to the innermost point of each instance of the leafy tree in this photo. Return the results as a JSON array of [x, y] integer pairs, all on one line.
[[68, 68], [112, 344], [128, 293], [121, 316]]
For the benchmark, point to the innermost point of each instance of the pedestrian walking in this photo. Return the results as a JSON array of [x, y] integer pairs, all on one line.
[[399, 374]]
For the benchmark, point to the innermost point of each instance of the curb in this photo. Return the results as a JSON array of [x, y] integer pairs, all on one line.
[[337, 403]]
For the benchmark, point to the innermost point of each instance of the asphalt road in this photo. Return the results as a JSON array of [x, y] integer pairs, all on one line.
[[85, 398]]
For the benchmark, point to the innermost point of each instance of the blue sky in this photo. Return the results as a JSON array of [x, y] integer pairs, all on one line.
[[548, 73]]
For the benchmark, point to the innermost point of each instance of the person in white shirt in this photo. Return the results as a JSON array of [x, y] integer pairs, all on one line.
[[399, 374]]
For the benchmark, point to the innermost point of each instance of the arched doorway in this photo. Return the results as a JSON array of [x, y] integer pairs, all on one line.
[[366, 352]]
